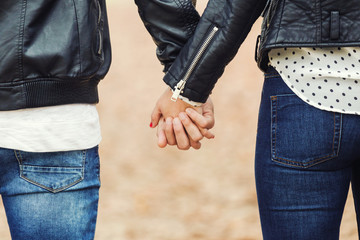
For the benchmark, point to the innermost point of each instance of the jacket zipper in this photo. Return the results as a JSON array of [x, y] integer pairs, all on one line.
[[99, 31], [266, 8], [100, 42], [180, 85]]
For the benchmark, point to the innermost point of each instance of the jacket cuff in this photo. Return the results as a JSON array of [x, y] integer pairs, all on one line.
[[221, 30], [187, 92]]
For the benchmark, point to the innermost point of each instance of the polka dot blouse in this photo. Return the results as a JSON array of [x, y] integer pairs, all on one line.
[[326, 78]]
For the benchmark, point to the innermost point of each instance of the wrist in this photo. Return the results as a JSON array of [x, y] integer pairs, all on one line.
[[184, 99], [188, 101]]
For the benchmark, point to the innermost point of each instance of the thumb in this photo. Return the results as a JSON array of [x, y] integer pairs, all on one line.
[[208, 113], [210, 119], [162, 141], [201, 120], [155, 117]]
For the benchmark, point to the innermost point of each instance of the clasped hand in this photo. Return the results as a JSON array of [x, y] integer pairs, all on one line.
[[180, 123]]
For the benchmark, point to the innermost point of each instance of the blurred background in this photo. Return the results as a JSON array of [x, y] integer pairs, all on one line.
[[165, 194]]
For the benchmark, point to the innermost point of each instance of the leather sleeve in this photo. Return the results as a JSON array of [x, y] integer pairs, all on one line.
[[233, 20], [170, 23]]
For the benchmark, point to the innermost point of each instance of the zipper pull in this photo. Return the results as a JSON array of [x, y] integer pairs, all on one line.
[[179, 87]]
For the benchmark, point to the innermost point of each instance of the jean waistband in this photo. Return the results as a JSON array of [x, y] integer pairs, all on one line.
[[271, 72]]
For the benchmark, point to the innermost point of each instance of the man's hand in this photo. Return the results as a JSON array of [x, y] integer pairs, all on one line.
[[175, 127], [205, 120]]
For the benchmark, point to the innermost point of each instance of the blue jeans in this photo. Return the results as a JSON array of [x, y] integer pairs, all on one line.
[[50, 195], [305, 161]]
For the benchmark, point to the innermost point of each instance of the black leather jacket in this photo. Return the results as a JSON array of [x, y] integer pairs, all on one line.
[[198, 61], [52, 52]]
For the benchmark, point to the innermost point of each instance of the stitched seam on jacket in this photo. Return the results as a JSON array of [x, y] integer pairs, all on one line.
[[281, 16], [20, 43], [177, 2], [78, 34], [318, 20], [187, 18]]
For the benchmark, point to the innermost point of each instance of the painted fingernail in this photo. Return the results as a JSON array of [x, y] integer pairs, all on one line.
[[151, 125]]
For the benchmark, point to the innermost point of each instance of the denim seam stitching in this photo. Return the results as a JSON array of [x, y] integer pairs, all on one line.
[[295, 163], [272, 76], [329, 155], [340, 133], [83, 165], [273, 129], [286, 162], [19, 159]]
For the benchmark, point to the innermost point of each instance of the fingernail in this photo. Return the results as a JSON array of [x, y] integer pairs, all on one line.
[[168, 121], [151, 125], [182, 116], [176, 121], [188, 110]]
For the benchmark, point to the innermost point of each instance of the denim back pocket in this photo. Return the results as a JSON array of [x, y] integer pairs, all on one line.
[[302, 135], [53, 171]]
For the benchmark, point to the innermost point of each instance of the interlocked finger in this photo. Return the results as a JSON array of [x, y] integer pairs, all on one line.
[[169, 131], [192, 130], [182, 139]]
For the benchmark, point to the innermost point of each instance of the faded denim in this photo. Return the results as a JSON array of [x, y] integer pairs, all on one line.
[[305, 161], [50, 195]]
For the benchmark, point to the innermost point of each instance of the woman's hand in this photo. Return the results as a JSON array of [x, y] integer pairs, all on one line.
[[175, 127]]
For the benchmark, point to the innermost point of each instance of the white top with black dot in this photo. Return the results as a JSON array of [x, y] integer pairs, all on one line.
[[326, 78]]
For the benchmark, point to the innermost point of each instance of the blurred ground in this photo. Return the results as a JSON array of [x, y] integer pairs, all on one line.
[[154, 194]]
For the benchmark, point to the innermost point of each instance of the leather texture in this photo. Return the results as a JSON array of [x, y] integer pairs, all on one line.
[[287, 23], [309, 23], [52, 52], [170, 23]]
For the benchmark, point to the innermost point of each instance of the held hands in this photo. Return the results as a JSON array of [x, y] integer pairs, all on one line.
[[180, 123]]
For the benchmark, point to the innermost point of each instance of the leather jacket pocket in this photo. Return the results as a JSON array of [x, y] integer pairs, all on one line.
[[53, 171], [64, 41], [302, 136], [91, 39]]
